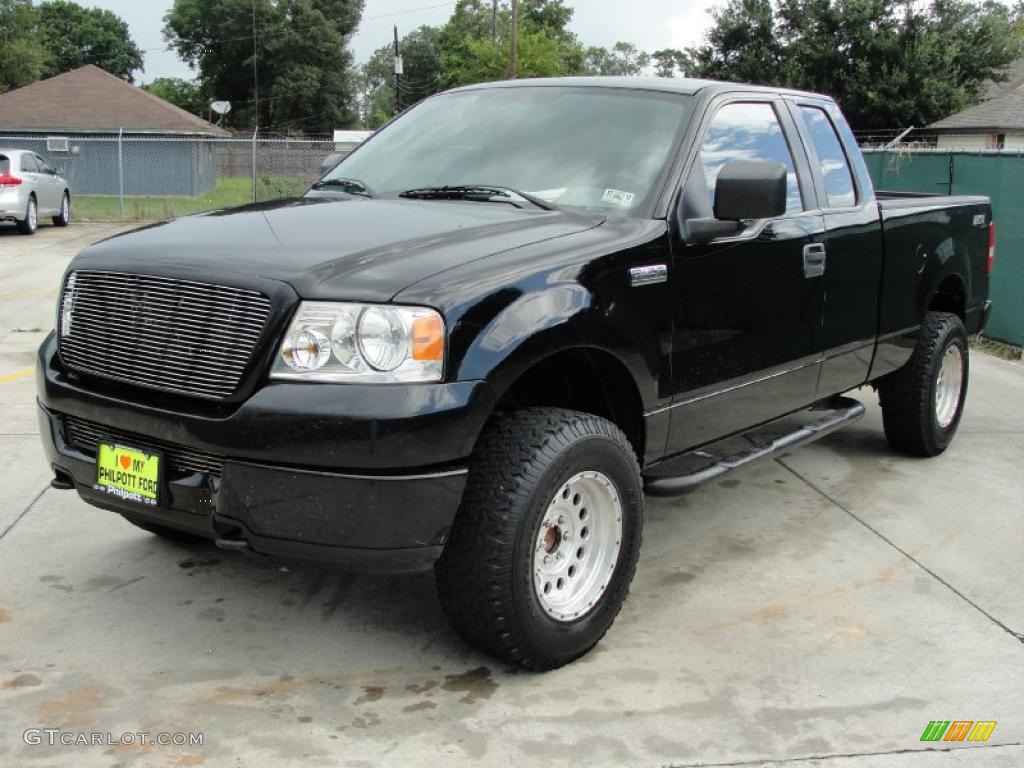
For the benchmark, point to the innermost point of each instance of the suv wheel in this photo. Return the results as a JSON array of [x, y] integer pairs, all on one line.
[[31, 221], [64, 217], [545, 545], [922, 402]]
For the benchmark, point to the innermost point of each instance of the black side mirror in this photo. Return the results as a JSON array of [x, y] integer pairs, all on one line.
[[746, 189]]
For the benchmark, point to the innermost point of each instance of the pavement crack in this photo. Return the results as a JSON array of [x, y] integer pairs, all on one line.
[[838, 756], [1017, 635], [24, 512]]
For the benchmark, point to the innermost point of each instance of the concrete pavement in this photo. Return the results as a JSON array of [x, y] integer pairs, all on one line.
[[819, 610]]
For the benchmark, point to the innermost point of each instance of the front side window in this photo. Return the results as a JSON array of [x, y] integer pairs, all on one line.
[[748, 131], [835, 170], [595, 148]]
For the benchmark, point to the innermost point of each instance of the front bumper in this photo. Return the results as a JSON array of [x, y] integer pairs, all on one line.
[[320, 472]]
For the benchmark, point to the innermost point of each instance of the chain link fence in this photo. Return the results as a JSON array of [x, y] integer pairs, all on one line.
[[146, 178]]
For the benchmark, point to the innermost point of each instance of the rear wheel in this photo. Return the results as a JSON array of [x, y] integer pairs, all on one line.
[[923, 401], [31, 221], [62, 219], [546, 542]]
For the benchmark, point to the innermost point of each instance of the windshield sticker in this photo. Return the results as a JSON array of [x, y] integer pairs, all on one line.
[[617, 197]]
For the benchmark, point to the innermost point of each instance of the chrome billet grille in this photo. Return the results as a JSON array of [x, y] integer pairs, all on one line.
[[180, 461], [163, 333]]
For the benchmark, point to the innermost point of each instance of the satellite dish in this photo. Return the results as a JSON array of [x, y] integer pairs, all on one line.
[[220, 107]]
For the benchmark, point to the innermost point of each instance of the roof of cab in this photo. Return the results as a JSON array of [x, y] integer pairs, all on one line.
[[683, 85]]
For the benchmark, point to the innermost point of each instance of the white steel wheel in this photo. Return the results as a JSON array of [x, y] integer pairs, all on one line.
[[577, 546], [949, 381]]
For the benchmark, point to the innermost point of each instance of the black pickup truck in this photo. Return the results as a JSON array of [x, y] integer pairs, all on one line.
[[480, 339]]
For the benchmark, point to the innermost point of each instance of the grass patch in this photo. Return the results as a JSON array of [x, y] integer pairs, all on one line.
[[998, 348], [226, 193]]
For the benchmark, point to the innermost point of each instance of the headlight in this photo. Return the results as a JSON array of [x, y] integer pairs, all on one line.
[[334, 341]]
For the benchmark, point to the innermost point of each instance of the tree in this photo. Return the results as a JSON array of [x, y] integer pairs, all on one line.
[[421, 62], [889, 63], [306, 82], [74, 36], [621, 59], [22, 56], [539, 55], [471, 53], [21, 63], [186, 94], [669, 62]]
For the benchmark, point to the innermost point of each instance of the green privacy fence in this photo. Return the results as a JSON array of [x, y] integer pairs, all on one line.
[[1000, 175]]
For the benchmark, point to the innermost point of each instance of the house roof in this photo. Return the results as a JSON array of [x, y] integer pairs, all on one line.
[[1014, 79], [1003, 109], [1005, 112], [90, 100]]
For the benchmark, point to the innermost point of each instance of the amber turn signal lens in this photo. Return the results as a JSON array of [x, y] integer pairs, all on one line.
[[428, 338]]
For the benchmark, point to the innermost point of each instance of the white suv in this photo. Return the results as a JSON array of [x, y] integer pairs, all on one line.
[[30, 188]]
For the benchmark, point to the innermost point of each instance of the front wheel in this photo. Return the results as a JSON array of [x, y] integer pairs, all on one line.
[[544, 547], [62, 219], [923, 401]]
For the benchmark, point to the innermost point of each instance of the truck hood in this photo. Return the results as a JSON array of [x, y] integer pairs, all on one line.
[[332, 248]]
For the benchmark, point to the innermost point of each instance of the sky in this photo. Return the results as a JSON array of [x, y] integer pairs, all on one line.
[[649, 24]]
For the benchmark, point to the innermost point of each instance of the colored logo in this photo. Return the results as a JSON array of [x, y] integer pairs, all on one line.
[[958, 730]]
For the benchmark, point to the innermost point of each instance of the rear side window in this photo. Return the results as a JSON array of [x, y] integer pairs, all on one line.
[[835, 170], [5, 165], [28, 164], [748, 131]]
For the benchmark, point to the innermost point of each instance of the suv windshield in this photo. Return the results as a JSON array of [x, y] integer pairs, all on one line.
[[588, 147]]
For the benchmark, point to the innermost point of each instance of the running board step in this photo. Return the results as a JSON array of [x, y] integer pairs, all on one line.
[[842, 411]]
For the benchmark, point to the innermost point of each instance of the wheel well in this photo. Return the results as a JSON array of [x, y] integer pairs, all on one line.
[[588, 380], [950, 297]]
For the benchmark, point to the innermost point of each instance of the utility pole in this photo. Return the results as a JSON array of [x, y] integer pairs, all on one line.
[[255, 73], [513, 55], [494, 21], [398, 72]]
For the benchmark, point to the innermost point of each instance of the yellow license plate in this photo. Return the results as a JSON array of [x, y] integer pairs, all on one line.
[[128, 473]]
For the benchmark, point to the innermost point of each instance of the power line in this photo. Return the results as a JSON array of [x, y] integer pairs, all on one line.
[[409, 10]]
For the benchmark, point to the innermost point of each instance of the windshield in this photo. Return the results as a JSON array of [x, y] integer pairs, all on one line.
[[585, 147]]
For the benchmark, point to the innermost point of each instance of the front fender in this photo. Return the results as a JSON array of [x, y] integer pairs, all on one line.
[[509, 311]]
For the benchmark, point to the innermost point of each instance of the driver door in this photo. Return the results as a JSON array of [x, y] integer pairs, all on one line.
[[747, 308]]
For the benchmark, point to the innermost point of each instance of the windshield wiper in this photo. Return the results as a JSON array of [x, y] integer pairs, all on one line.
[[481, 192], [352, 186]]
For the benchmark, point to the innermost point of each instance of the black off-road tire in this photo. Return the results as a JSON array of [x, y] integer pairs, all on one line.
[[485, 578], [907, 396], [31, 221], [164, 532]]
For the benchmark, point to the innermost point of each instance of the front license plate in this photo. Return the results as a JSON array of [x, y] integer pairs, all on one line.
[[128, 473]]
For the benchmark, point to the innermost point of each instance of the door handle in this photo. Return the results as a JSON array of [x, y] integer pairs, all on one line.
[[814, 260]]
